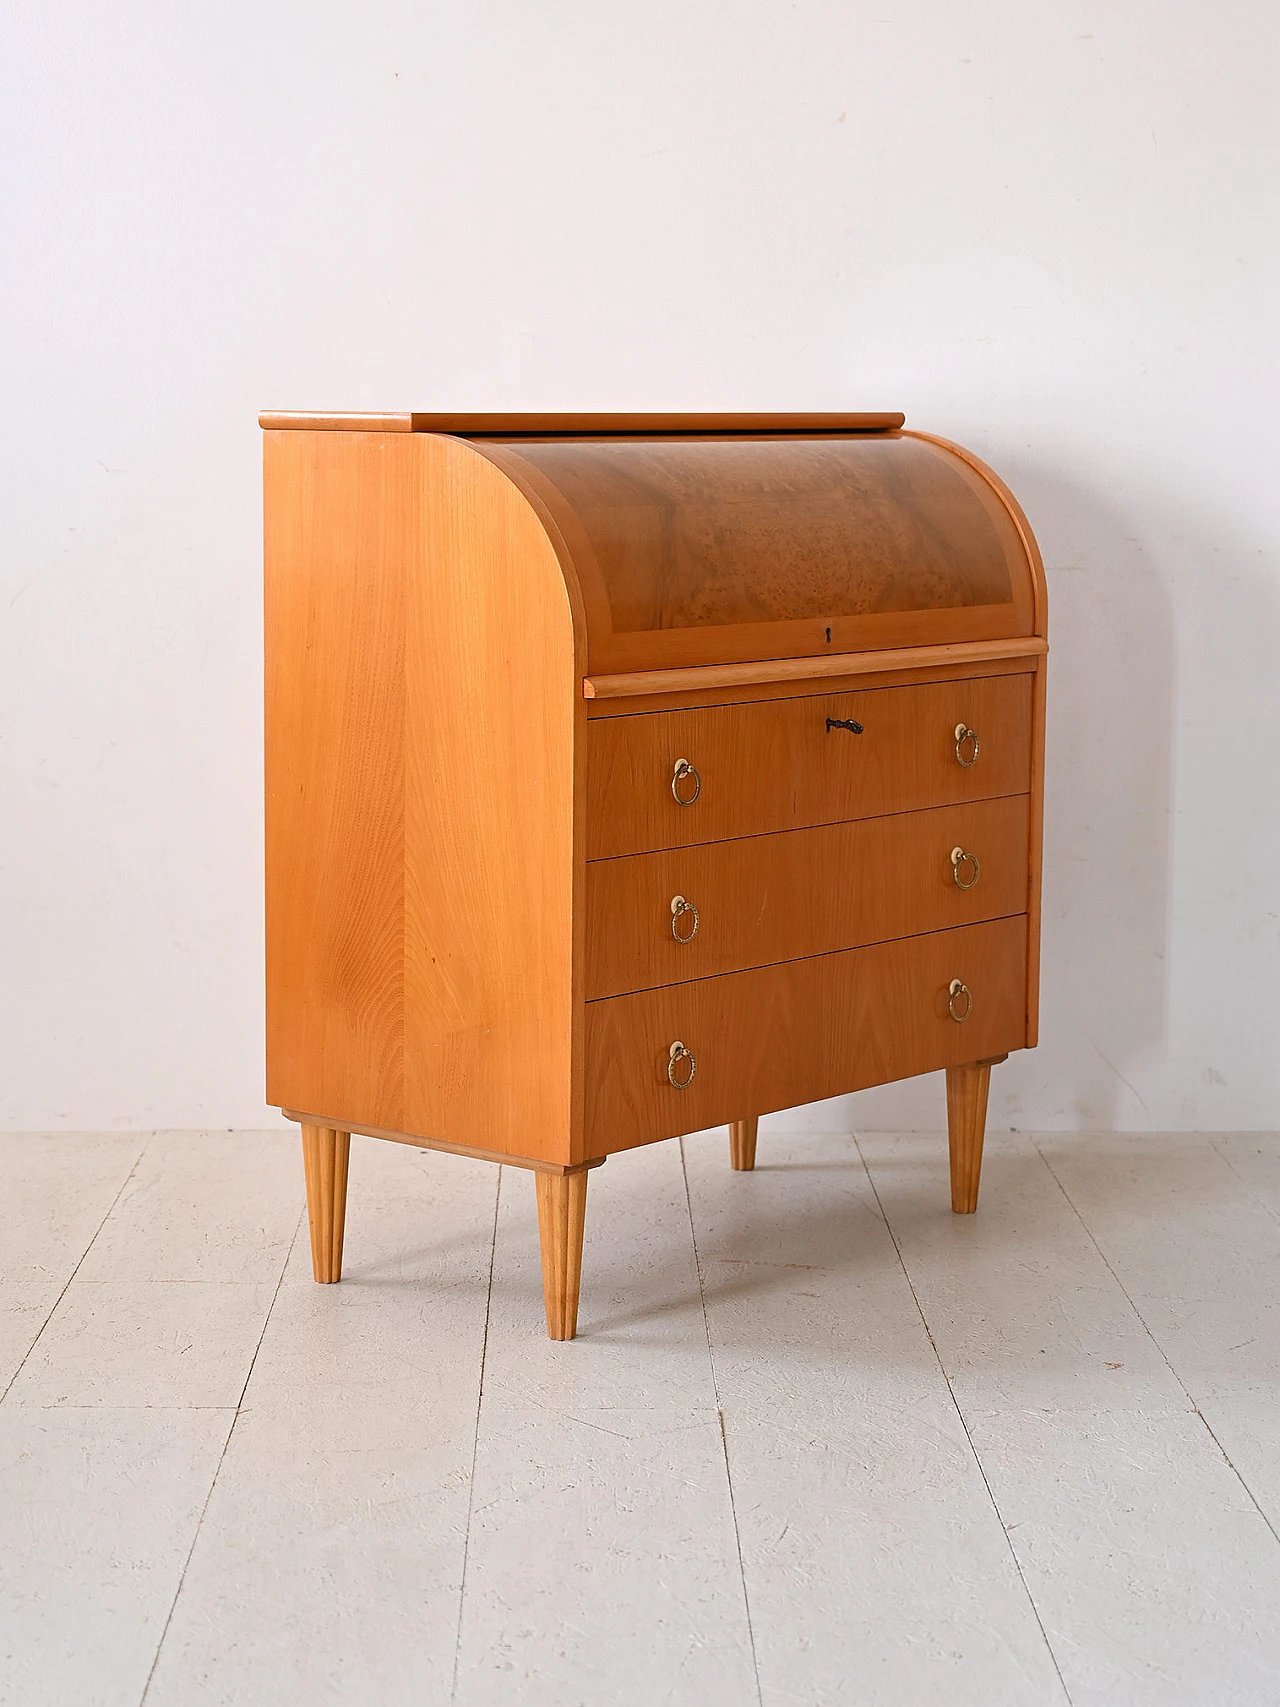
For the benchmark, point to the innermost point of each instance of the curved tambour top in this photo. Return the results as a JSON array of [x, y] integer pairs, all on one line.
[[710, 549], [731, 539]]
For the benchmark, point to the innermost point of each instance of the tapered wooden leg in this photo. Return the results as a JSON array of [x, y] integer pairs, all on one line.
[[742, 1144], [562, 1208], [966, 1124], [325, 1154]]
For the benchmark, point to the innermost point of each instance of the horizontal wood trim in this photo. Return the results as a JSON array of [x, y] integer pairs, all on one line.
[[308, 421], [712, 676], [420, 1143], [749, 693], [508, 426]]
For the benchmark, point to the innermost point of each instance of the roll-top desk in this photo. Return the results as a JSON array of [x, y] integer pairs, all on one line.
[[633, 775]]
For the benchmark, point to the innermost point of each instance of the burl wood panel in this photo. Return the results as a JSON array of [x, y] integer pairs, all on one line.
[[706, 550], [420, 873], [725, 531], [774, 765], [762, 899], [781, 1035]]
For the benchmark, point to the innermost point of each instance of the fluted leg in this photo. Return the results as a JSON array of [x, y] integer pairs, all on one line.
[[742, 1144], [966, 1125], [325, 1153], [562, 1208]]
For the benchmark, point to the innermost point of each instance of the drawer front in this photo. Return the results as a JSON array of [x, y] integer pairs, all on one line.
[[782, 764], [783, 1035], [762, 899]]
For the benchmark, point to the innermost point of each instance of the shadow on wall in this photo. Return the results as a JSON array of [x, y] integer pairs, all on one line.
[[1108, 814], [1125, 599]]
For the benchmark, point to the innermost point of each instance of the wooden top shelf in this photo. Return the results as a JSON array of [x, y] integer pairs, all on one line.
[[541, 426]]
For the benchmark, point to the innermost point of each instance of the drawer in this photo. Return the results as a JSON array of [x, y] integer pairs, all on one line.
[[762, 899], [781, 764], [782, 1035]]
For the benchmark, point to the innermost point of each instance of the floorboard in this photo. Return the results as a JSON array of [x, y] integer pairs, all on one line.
[[877, 1568], [1155, 1576], [819, 1440]]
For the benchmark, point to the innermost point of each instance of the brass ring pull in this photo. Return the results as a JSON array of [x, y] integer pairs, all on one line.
[[682, 770], [957, 990], [964, 737], [958, 858], [679, 908], [680, 1053]]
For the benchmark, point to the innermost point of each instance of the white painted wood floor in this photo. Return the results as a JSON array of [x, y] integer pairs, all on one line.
[[819, 1441]]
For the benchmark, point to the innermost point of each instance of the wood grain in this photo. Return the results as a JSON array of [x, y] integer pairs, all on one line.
[[809, 1029], [422, 736], [450, 597], [1017, 515], [322, 421], [468, 425], [808, 686], [800, 670], [562, 1208], [774, 765], [1035, 853], [1040, 626], [966, 1125], [336, 513], [742, 1144], [713, 550], [697, 533], [493, 715], [762, 899], [325, 1157]]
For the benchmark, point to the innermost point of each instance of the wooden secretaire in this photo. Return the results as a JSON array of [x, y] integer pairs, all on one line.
[[628, 775]]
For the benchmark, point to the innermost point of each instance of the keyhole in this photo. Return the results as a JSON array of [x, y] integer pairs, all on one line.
[[828, 637]]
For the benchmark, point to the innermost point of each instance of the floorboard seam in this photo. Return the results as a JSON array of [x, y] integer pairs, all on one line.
[[724, 1438], [217, 1469], [977, 1457], [1257, 1196], [1190, 1396], [475, 1440], [146, 1142]]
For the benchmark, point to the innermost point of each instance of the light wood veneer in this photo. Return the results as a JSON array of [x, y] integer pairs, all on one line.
[[800, 1031], [762, 899], [780, 765], [325, 1157], [488, 641]]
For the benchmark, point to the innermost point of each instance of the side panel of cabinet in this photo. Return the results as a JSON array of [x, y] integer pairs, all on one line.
[[1035, 856], [422, 733], [336, 510], [493, 720]]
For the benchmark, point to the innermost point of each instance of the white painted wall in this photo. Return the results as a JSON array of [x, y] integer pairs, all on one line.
[[1047, 231]]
